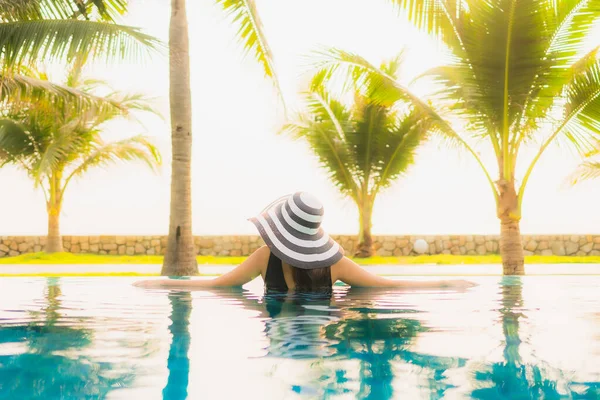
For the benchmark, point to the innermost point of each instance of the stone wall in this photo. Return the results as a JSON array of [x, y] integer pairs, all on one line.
[[579, 245]]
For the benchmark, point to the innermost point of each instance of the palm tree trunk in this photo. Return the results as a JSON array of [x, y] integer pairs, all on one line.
[[365, 239], [180, 257], [54, 240], [511, 245]]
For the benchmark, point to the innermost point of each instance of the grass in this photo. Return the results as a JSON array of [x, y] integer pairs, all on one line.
[[440, 259], [80, 274], [69, 258]]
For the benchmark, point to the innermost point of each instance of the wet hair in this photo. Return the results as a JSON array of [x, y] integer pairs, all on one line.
[[312, 280]]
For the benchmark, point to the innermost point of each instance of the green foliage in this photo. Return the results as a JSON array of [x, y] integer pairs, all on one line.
[[49, 30], [26, 42], [250, 30], [250, 33], [55, 142], [364, 146], [18, 10], [588, 169], [519, 73]]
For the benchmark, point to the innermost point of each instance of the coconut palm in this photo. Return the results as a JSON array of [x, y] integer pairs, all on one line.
[[35, 30], [180, 256], [518, 75], [58, 142], [364, 147]]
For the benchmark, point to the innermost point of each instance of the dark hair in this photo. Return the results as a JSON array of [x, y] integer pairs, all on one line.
[[311, 280]]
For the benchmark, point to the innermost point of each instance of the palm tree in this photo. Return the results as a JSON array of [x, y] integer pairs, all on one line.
[[518, 75], [36, 30], [365, 147], [180, 256], [55, 142]]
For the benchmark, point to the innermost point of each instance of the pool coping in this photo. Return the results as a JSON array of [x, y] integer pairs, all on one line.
[[22, 270]]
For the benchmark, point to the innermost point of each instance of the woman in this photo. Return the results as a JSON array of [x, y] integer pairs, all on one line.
[[298, 255]]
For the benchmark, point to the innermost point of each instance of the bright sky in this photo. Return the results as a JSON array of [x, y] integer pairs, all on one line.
[[240, 164]]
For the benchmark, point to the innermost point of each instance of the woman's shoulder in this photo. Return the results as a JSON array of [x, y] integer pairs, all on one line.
[[338, 268], [263, 252], [262, 256]]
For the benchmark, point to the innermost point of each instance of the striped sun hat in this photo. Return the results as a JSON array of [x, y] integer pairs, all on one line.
[[291, 227]]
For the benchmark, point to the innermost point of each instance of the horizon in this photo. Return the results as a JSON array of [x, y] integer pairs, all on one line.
[[241, 164]]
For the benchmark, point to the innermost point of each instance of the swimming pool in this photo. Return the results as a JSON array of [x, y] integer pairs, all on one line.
[[75, 338]]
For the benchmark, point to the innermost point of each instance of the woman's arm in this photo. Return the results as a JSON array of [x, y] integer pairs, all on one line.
[[242, 274], [352, 274]]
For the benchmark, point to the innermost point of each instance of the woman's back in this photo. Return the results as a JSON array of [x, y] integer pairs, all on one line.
[[312, 280]]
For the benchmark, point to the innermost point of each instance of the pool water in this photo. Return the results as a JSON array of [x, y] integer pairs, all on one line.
[[507, 338]]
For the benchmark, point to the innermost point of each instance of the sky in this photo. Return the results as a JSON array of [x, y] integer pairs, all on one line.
[[240, 163]]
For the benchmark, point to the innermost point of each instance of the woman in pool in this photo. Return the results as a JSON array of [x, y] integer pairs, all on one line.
[[298, 255]]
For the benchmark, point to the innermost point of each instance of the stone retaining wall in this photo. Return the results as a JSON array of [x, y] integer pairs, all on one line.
[[580, 245]]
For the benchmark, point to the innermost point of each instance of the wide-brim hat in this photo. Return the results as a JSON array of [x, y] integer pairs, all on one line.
[[291, 227]]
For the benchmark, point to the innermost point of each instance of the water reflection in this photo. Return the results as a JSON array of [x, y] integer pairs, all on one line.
[[348, 349], [381, 337], [48, 360], [512, 378], [178, 362], [78, 342]]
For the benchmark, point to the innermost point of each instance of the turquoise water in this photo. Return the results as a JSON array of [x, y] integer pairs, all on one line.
[[72, 338]]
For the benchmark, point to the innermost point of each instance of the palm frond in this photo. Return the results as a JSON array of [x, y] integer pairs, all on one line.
[[366, 146], [137, 148], [440, 18], [458, 91], [580, 123], [401, 144], [567, 26], [89, 85], [49, 40], [324, 127], [251, 34], [107, 10], [15, 143], [585, 171], [64, 143], [19, 10], [582, 111], [355, 73], [382, 88], [368, 137], [20, 91], [385, 90], [573, 22], [129, 102], [393, 66]]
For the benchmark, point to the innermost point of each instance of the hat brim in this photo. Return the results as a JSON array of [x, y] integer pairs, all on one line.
[[301, 250]]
